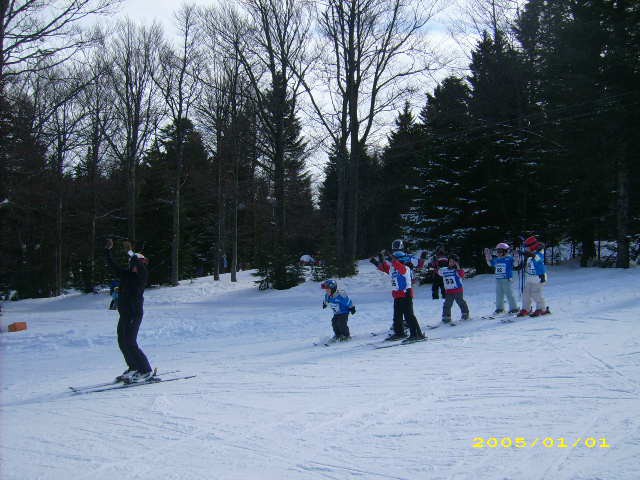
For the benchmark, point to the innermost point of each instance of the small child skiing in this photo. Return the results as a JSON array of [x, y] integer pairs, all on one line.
[[504, 264], [535, 279], [452, 277], [342, 306]]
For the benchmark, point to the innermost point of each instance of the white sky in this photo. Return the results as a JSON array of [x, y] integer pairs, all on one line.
[[147, 11]]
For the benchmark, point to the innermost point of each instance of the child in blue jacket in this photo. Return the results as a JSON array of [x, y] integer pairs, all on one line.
[[504, 265], [341, 305]]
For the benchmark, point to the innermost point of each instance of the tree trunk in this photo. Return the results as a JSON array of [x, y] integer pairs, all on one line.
[[622, 215], [234, 244], [59, 213], [175, 234], [219, 246], [341, 205], [4, 6], [58, 288], [354, 132], [234, 219], [131, 195]]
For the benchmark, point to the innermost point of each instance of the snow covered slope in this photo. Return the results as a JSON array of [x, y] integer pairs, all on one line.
[[267, 404]]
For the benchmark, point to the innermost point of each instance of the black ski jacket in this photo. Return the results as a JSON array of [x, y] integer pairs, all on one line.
[[133, 281]]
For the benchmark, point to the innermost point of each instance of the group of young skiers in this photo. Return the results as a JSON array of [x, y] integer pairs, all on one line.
[[448, 280], [398, 264]]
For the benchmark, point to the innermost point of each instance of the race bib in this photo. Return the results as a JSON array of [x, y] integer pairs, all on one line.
[[450, 283]]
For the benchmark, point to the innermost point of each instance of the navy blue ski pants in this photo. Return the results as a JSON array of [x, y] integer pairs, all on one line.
[[128, 326]]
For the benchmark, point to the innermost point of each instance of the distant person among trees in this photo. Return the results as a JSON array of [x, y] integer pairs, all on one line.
[[535, 279], [114, 289], [398, 267], [307, 259], [452, 276], [504, 264], [133, 280], [438, 261], [342, 306]]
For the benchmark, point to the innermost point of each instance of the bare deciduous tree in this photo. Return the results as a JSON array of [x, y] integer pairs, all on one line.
[[266, 39], [178, 80], [95, 102], [133, 61], [223, 95], [61, 89], [33, 32], [369, 52], [470, 18]]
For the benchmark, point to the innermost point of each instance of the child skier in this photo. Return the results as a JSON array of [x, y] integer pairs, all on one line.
[[397, 267], [535, 279], [438, 261], [452, 277], [341, 305], [504, 265]]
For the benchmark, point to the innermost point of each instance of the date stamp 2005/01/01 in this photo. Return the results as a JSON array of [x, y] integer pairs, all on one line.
[[545, 442]]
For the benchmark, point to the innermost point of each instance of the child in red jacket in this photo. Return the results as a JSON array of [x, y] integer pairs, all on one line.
[[402, 294]]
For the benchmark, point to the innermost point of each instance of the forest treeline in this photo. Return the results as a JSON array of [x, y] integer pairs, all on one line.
[[198, 149]]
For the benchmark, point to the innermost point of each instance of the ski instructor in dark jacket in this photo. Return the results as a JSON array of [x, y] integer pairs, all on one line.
[[133, 281]]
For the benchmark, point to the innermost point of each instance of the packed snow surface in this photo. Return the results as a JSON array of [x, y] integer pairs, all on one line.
[[555, 397]]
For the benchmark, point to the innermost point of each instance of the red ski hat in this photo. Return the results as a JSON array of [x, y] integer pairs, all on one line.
[[532, 243]]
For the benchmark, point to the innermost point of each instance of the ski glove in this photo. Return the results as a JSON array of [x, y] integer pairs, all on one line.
[[324, 305], [374, 261], [542, 278], [352, 310]]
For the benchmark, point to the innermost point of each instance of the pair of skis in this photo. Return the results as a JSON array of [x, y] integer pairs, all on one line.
[[451, 324], [332, 341], [377, 345], [119, 384], [401, 343]]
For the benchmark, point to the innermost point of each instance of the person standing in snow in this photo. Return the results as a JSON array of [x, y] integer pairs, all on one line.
[[114, 288], [504, 264], [341, 305], [535, 279], [452, 276], [133, 280], [398, 268], [438, 261]]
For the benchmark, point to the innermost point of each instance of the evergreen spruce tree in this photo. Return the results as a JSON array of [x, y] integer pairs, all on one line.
[[26, 221], [157, 173], [439, 213], [564, 43], [399, 176], [505, 190], [278, 259]]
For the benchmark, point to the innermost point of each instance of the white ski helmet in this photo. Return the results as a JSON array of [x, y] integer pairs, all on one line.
[[502, 246], [397, 244]]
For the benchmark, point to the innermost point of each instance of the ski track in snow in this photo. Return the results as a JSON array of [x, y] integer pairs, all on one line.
[[268, 404]]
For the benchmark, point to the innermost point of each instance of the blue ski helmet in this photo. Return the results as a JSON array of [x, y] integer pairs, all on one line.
[[330, 284]]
